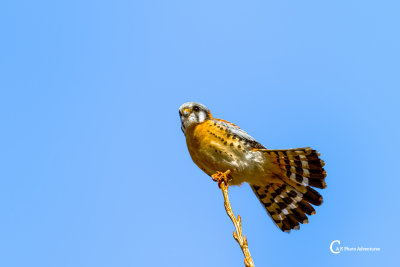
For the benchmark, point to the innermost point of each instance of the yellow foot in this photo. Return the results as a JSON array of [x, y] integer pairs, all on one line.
[[221, 177]]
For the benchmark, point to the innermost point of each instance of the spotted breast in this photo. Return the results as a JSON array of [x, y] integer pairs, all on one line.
[[216, 145]]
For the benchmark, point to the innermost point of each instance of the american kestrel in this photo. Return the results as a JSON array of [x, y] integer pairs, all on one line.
[[281, 179]]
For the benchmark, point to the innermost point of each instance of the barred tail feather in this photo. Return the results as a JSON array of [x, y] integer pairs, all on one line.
[[289, 203], [284, 205]]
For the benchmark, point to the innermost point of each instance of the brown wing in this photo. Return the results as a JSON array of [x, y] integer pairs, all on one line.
[[238, 133]]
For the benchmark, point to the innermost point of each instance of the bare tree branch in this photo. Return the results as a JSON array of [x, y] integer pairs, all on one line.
[[222, 179]]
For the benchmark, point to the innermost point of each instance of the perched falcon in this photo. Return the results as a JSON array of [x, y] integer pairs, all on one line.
[[281, 179]]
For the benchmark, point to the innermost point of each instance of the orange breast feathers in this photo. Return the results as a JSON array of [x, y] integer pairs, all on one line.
[[208, 135], [212, 147]]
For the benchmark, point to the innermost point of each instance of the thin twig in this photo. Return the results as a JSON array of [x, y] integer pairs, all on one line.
[[222, 178]]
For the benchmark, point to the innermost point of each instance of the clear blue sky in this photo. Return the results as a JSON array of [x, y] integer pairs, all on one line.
[[94, 166]]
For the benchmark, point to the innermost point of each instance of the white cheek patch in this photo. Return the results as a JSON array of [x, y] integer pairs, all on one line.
[[202, 116], [189, 120], [193, 118]]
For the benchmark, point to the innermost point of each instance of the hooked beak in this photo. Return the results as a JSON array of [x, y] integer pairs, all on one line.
[[186, 112]]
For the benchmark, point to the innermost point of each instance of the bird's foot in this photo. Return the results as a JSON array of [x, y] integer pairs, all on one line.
[[221, 177]]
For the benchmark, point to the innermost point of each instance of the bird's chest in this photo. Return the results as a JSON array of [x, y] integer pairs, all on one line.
[[213, 148]]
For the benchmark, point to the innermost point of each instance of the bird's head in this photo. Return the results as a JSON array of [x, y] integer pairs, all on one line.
[[192, 113]]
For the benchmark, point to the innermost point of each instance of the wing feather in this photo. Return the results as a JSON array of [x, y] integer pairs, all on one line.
[[235, 130]]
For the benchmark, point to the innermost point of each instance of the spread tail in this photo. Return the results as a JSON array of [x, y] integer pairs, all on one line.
[[288, 203]]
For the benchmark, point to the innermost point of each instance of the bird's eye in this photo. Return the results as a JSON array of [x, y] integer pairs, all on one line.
[[196, 108]]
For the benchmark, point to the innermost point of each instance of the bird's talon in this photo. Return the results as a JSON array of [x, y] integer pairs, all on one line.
[[220, 177]]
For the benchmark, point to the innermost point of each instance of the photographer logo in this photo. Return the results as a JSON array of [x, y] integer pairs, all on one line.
[[335, 248]]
